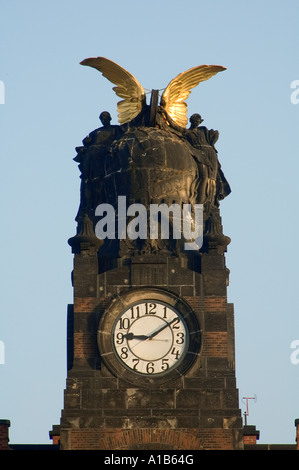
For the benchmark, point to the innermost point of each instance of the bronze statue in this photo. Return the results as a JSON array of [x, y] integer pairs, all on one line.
[[104, 135], [212, 185], [173, 99], [150, 157], [92, 156]]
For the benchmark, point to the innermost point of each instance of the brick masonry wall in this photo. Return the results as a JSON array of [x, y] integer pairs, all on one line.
[[146, 438], [197, 411], [85, 345], [4, 434], [249, 440], [215, 344], [216, 303]]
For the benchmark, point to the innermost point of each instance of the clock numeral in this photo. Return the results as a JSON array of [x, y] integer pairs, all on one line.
[[124, 353], [165, 364], [175, 352], [124, 323], [150, 368], [164, 312], [136, 362], [180, 338], [176, 323], [119, 338], [150, 309], [135, 312]]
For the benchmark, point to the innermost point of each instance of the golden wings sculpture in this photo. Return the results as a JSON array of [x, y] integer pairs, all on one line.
[[173, 99]]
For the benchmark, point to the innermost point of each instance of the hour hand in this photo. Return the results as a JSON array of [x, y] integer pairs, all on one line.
[[131, 336]]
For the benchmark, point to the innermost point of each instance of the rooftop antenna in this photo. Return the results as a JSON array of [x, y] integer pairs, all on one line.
[[246, 413]]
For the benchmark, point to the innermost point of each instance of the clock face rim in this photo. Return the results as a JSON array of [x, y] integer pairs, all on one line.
[[183, 349], [122, 302]]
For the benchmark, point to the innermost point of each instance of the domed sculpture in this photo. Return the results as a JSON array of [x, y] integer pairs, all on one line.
[[150, 159]]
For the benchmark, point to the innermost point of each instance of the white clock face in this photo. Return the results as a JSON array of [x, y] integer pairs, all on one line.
[[150, 337]]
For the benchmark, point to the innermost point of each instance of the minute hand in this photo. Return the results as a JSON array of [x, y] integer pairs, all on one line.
[[161, 329]]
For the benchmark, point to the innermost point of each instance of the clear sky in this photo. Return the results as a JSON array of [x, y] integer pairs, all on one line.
[[49, 103]]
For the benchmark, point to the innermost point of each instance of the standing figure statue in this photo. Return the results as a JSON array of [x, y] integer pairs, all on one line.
[[92, 158], [212, 184], [104, 135]]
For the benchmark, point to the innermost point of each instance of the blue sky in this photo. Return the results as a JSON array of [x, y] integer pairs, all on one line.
[[51, 103]]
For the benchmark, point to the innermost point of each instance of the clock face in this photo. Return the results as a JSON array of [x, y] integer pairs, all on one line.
[[150, 337]]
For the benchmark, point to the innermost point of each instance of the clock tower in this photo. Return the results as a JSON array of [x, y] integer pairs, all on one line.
[[150, 332]]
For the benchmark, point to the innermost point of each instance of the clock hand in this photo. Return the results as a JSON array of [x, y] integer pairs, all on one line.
[[161, 329], [130, 336]]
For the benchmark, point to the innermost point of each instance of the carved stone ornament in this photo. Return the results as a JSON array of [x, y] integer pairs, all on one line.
[[151, 157]]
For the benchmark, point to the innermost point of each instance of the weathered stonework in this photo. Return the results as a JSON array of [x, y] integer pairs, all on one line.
[[107, 406], [197, 411]]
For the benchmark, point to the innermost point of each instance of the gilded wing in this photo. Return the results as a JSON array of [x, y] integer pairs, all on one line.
[[178, 90], [127, 87]]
